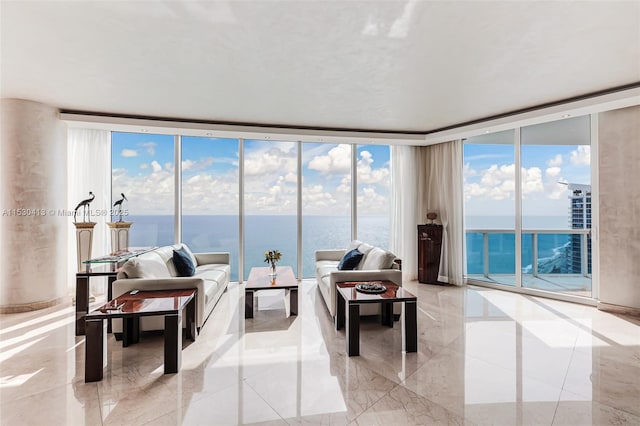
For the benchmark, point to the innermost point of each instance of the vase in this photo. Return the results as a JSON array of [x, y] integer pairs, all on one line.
[[273, 272]]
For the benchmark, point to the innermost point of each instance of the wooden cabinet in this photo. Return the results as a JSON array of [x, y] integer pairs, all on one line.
[[429, 249]]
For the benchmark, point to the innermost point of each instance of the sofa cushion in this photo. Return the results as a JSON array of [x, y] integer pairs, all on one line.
[[185, 267], [377, 259], [350, 260], [148, 265], [213, 272], [326, 267]]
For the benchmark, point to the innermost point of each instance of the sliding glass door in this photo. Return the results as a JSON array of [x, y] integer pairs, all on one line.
[[490, 220], [556, 206], [528, 207]]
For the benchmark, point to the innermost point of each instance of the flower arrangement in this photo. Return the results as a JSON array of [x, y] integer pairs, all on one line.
[[272, 257]]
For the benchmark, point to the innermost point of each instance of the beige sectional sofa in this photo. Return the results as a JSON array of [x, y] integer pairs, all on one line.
[[377, 264], [155, 270]]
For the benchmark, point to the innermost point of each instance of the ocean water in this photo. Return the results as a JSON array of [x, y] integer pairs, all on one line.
[[553, 249], [221, 233]]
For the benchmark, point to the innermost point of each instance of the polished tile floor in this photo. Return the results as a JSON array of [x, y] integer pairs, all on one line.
[[485, 357]]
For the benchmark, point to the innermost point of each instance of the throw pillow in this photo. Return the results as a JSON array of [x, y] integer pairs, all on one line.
[[350, 260], [183, 263], [378, 259]]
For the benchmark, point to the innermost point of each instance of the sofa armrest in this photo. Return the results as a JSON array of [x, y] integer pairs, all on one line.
[[210, 258], [330, 254]]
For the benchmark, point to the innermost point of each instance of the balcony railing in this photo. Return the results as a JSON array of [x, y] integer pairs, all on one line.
[[570, 253]]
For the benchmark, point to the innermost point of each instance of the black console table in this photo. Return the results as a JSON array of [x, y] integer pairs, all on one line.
[[429, 249]]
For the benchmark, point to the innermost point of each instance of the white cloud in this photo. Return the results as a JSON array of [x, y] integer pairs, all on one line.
[[337, 160], [370, 202], [498, 182], [369, 175], [467, 171], [553, 172], [150, 147], [144, 166], [581, 156], [128, 153], [203, 163], [291, 177], [531, 180], [555, 161], [261, 163], [156, 166]]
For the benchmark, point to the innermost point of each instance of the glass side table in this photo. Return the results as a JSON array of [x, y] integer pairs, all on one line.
[[104, 266]]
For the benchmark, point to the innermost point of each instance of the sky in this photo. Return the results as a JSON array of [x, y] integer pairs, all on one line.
[[143, 169], [489, 179]]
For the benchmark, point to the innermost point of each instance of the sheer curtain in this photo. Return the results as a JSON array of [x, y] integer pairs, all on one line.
[[404, 202], [428, 179], [441, 188], [89, 162]]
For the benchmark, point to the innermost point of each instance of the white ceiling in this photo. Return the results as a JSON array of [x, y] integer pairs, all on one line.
[[396, 65]]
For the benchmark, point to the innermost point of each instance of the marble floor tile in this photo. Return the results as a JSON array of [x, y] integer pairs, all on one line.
[[484, 357]]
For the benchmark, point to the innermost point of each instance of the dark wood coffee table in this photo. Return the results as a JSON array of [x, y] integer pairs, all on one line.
[[169, 303], [259, 279], [348, 310]]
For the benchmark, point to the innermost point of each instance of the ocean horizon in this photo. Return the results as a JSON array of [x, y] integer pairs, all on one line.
[[212, 233]]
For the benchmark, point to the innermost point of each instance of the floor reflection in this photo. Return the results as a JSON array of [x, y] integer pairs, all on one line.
[[484, 357]]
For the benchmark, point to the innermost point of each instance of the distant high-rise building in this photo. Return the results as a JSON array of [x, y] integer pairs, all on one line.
[[579, 218]]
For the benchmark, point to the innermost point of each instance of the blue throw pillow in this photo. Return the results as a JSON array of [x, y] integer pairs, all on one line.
[[183, 263], [350, 260]]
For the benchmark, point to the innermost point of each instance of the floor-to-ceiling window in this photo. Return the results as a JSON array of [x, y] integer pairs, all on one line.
[[373, 195], [143, 170], [243, 196], [210, 197], [556, 206], [326, 200], [528, 207], [490, 220], [270, 202]]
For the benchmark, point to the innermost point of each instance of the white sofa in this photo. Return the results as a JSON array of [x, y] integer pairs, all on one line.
[[155, 271], [377, 264]]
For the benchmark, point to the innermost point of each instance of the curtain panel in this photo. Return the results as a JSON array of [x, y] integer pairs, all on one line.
[[88, 159], [429, 179]]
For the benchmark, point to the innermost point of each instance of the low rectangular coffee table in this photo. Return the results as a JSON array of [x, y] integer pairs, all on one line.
[[169, 303], [348, 311], [259, 279]]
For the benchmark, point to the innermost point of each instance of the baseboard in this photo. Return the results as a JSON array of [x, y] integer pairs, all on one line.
[[27, 307], [617, 309]]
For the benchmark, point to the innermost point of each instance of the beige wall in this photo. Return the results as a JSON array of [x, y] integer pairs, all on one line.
[[33, 176], [619, 202]]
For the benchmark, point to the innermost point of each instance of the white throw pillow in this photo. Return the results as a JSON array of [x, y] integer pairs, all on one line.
[[354, 245], [364, 248], [377, 259], [146, 267]]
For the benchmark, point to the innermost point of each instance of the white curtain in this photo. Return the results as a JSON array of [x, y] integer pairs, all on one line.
[[428, 179], [404, 217], [441, 188], [89, 162]]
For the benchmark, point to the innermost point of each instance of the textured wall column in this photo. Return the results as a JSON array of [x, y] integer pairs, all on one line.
[[619, 222], [33, 235]]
